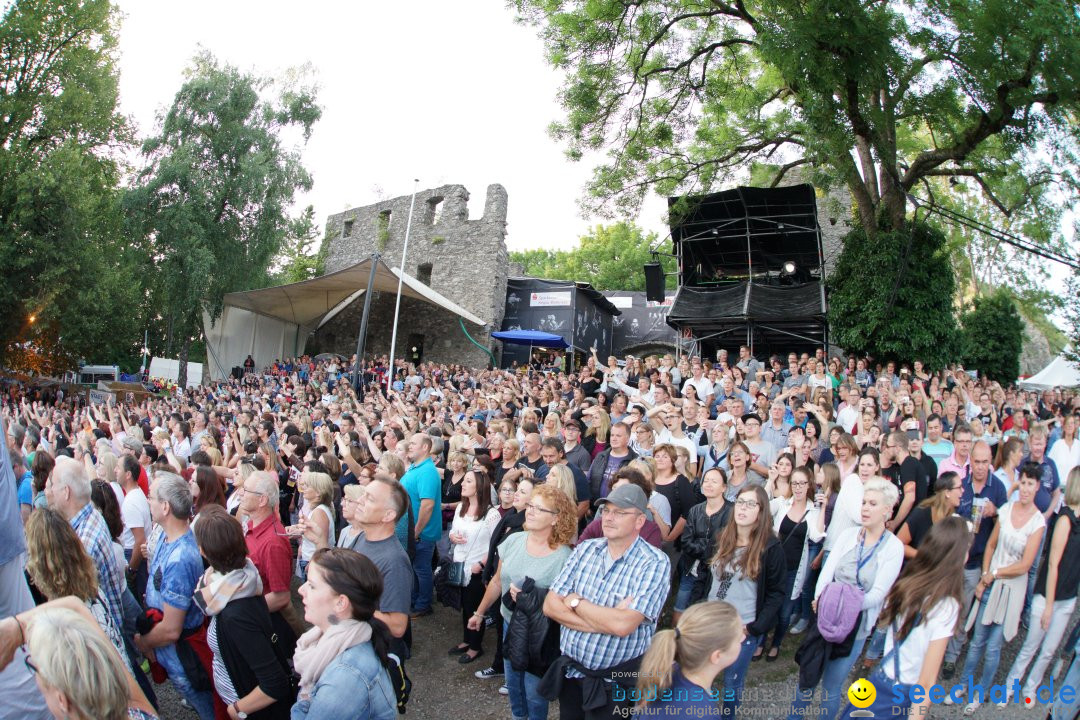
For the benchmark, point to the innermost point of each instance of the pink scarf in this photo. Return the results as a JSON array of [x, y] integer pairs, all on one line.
[[316, 649]]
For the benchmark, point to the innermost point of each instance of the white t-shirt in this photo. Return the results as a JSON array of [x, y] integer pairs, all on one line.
[[847, 512], [939, 623], [136, 513], [703, 386], [664, 436]]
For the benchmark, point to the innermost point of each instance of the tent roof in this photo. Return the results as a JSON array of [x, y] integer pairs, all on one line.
[[1059, 373], [306, 303], [530, 337]]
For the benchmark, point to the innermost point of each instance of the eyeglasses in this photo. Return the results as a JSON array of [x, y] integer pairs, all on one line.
[[619, 513], [750, 504], [507, 490], [30, 665], [537, 508], [800, 483]]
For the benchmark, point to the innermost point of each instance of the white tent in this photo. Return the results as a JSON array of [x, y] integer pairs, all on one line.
[[1059, 373], [275, 322]]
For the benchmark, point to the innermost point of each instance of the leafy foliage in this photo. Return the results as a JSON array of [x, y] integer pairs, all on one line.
[[684, 95], [61, 243], [214, 198], [891, 295], [296, 262], [993, 337], [611, 257], [1072, 316]]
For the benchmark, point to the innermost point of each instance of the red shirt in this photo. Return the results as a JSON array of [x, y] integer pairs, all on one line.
[[144, 482], [271, 554]]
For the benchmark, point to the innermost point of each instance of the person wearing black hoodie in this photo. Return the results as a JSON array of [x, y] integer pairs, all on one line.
[[748, 571]]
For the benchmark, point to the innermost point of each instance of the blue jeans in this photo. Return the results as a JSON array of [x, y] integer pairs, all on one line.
[[201, 700], [1072, 679], [525, 701], [1033, 572], [686, 586], [810, 580], [832, 687], [876, 647], [421, 594], [735, 676], [986, 641], [784, 621]]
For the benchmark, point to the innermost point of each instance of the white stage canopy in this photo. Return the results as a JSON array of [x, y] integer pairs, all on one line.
[[275, 322], [1059, 373]]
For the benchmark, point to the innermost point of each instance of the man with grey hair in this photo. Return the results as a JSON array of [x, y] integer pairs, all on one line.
[[175, 569], [265, 536], [68, 492]]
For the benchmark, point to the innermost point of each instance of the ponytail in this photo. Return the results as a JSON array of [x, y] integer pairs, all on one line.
[[702, 630]]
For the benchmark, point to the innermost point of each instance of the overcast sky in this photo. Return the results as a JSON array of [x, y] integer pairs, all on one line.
[[444, 92]]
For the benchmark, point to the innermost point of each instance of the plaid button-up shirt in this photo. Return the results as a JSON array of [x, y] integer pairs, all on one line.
[[643, 573], [91, 529]]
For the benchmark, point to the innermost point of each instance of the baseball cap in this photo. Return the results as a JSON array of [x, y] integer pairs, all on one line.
[[626, 496], [572, 424]]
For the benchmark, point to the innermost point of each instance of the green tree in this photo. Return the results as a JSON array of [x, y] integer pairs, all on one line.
[[296, 261], [214, 198], [69, 285], [610, 257], [993, 337], [891, 295], [1072, 316], [882, 97]]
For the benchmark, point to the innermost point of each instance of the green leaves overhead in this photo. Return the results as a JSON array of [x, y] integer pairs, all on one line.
[[610, 257], [684, 95]]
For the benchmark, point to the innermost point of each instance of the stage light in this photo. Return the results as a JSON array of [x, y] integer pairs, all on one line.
[[789, 267]]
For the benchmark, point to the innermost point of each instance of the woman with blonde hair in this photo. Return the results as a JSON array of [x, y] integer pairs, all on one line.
[[538, 554], [78, 672], [681, 664], [595, 439], [316, 526], [561, 477], [392, 464], [511, 452], [59, 566], [552, 426]]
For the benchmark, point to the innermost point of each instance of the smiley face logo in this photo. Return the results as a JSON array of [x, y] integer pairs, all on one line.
[[862, 693]]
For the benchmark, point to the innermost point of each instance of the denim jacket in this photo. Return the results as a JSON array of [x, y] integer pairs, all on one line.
[[355, 685]]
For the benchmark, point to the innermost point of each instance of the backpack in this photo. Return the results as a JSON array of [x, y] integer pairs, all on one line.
[[399, 679]]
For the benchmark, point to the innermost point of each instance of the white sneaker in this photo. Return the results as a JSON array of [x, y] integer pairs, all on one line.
[[971, 707], [503, 690], [949, 698]]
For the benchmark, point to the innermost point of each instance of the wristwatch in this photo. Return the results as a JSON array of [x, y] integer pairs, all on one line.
[[574, 603], [239, 713]]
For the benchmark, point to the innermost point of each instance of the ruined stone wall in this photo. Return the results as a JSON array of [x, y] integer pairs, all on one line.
[[464, 260]]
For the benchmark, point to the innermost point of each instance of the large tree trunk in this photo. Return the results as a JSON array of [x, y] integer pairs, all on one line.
[[181, 375]]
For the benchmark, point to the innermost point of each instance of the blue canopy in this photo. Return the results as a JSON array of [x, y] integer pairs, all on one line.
[[531, 337]]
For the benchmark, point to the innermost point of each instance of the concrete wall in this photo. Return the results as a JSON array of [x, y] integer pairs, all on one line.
[[467, 260]]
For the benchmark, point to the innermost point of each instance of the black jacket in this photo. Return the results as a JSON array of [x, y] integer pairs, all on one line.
[[770, 588], [245, 642], [596, 470], [699, 534], [509, 524], [532, 640]]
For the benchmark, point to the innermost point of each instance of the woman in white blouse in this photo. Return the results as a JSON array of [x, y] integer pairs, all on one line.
[[470, 534], [796, 522], [847, 512], [999, 596]]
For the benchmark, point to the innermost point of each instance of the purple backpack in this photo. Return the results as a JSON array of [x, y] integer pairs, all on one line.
[[838, 609]]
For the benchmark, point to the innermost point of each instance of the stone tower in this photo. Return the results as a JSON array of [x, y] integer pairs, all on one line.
[[464, 260]]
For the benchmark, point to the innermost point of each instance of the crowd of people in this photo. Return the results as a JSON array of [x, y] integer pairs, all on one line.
[[629, 534]]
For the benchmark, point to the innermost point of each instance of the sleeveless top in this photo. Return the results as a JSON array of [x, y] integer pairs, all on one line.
[[1069, 567]]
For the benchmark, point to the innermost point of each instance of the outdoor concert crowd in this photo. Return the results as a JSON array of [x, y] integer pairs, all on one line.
[[632, 535]]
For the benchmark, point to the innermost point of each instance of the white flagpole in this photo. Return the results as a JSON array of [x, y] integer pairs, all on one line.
[[401, 278]]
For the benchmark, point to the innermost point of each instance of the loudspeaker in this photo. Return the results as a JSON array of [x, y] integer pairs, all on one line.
[[654, 282]]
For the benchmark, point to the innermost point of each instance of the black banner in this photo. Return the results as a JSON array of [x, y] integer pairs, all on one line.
[[641, 322]]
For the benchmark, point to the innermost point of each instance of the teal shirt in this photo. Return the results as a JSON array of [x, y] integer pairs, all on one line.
[[422, 482]]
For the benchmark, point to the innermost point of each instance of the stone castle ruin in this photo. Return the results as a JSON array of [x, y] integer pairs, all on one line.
[[465, 260]]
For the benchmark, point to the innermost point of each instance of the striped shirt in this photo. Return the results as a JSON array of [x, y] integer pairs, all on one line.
[[91, 529], [643, 573]]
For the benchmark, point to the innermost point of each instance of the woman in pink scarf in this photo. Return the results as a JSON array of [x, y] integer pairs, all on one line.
[[342, 661]]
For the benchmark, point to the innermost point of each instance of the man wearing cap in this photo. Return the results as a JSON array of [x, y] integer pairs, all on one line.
[[607, 598], [576, 455]]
